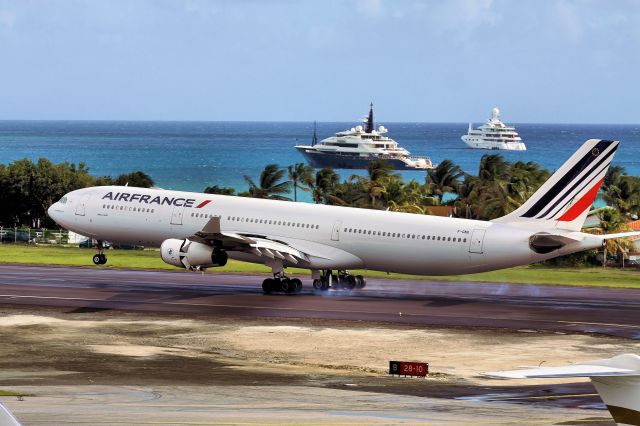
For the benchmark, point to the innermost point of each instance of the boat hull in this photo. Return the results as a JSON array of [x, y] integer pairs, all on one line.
[[504, 146], [323, 160]]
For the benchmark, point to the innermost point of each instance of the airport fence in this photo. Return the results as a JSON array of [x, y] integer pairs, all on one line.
[[34, 236]]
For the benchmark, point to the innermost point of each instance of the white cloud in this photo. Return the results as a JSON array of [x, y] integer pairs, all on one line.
[[7, 19], [370, 8], [569, 18]]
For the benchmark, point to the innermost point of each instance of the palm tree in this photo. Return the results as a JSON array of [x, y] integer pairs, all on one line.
[[222, 190], [445, 177], [300, 174], [380, 174], [493, 167], [323, 189], [612, 221], [270, 185]]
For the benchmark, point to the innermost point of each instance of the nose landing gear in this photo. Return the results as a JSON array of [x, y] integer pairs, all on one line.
[[100, 258]]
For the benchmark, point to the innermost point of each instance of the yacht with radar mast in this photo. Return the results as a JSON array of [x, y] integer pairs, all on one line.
[[494, 134], [357, 147]]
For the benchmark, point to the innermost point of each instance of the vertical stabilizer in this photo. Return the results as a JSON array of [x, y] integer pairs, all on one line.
[[563, 201]]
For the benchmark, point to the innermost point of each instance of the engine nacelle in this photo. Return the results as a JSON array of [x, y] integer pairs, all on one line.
[[189, 254]]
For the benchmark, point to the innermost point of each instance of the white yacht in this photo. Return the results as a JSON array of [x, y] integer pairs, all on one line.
[[356, 147], [494, 134]]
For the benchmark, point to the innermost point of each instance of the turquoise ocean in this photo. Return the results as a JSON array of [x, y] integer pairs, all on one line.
[[193, 155]]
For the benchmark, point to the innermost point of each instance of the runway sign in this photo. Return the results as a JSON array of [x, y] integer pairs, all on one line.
[[402, 368]]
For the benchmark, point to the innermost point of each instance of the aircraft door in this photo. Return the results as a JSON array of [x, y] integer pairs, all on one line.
[[176, 215], [477, 239], [82, 205], [335, 233]]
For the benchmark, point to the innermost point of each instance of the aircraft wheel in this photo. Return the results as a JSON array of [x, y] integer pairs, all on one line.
[[297, 285], [325, 285], [103, 259], [97, 259], [360, 281], [350, 282], [335, 281], [317, 284], [287, 285], [267, 286]]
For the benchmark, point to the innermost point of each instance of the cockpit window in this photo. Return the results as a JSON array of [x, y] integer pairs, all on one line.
[[63, 200]]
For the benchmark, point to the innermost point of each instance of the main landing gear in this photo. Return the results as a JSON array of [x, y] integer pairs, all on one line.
[[343, 280], [281, 283], [100, 258]]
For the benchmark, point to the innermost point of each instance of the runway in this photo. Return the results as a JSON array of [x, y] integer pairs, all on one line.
[[492, 305]]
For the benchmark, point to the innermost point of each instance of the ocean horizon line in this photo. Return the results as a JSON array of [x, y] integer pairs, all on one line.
[[528, 123]]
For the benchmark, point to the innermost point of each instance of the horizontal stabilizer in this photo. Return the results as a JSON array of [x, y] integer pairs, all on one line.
[[620, 235], [6, 418], [616, 379], [563, 372]]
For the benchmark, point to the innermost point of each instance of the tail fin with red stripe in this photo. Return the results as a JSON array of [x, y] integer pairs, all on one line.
[[563, 201]]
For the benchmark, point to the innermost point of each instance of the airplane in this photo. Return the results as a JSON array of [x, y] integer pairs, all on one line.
[[196, 231], [616, 379], [7, 418]]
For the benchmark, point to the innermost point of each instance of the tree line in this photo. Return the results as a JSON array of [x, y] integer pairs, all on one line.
[[28, 188]]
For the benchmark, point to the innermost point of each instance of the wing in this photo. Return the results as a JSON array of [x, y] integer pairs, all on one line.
[[258, 245]]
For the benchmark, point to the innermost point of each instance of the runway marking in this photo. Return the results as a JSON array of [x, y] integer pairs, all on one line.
[[600, 323], [513, 398]]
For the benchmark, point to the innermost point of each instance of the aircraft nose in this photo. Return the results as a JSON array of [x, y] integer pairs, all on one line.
[[51, 212]]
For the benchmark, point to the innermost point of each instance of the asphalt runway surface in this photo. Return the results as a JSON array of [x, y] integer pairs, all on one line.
[[613, 312]]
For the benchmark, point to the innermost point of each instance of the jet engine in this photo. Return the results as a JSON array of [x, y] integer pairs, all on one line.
[[190, 254]]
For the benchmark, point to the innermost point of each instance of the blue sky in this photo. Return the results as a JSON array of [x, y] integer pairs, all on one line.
[[434, 61]]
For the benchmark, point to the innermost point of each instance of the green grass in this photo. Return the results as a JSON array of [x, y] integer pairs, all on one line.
[[11, 393], [150, 259]]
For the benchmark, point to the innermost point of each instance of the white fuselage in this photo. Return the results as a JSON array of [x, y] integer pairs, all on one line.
[[338, 237]]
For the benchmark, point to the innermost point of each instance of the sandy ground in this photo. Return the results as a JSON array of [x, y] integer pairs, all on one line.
[[48, 348], [286, 346]]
